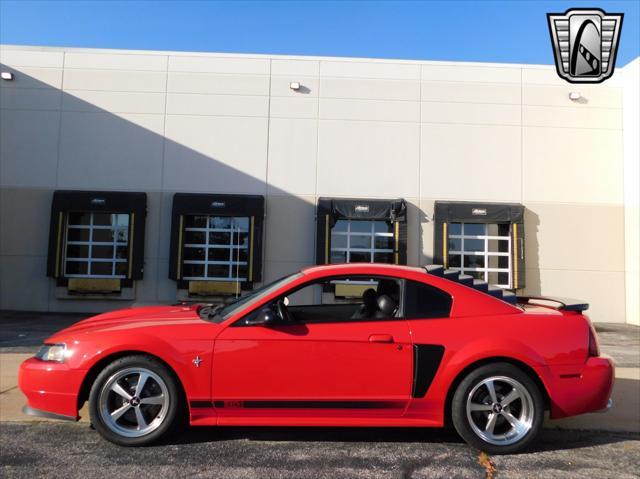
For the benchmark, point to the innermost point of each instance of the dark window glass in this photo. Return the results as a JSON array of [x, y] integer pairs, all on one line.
[[339, 241], [382, 227], [240, 254], [498, 262], [79, 218], [242, 270], [122, 269], [193, 221], [102, 252], [455, 228], [476, 274], [455, 244], [498, 246], [424, 301], [338, 256], [193, 270], [341, 226], [76, 267], [75, 234], [103, 235], [454, 261], [218, 238], [474, 229], [103, 269], [241, 239], [498, 278], [122, 252], [218, 270], [218, 254], [473, 261], [194, 254], [360, 241], [501, 229], [77, 251], [195, 237], [102, 219], [360, 257], [474, 245], [384, 242], [358, 226], [383, 258]]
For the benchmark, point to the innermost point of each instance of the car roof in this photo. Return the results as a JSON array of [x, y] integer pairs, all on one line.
[[355, 267]]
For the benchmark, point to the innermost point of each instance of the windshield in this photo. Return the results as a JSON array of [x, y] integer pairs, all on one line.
[[219, 313]]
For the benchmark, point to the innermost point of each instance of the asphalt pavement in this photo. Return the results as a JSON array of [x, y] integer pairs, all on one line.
[[72, 450]]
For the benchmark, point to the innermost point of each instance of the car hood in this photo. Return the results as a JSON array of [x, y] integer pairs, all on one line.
[[135, 318]]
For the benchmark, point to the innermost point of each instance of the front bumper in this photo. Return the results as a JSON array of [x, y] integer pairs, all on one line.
[[588, 390], [51, 388]]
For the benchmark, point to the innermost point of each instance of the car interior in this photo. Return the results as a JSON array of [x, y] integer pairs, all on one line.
[[378, 301]]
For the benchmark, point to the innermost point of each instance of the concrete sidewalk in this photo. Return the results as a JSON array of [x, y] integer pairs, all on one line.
[[21, 333]]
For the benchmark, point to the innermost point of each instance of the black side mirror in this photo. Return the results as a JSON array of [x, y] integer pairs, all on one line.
[[265, 317]]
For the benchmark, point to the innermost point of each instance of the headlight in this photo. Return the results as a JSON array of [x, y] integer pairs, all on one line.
[[52, 352]]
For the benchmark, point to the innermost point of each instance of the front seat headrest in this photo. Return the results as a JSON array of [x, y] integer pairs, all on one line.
[[390, 288], [387, 306], [369, 299]]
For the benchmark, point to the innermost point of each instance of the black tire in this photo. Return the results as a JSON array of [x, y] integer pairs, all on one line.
[[172, 413], [473, 382]]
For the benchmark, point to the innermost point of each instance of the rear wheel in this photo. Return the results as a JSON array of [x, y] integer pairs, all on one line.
[[498, 408], [134, 401]]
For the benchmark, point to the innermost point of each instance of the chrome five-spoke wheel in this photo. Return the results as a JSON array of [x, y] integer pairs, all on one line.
[[134, 402], [500, 410]]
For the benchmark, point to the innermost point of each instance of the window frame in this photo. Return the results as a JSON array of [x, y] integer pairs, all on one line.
[[485, 253], [512, 214], [222, 205], [400, 314], [231, 247], [372, 235], [90, 243]]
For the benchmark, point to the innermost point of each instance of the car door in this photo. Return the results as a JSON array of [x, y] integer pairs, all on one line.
[[320, 367]]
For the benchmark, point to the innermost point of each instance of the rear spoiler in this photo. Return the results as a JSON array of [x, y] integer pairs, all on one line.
[[565, 304]]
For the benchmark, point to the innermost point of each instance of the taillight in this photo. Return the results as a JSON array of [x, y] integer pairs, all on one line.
[[594, 347]]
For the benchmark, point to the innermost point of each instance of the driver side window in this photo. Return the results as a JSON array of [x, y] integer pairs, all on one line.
[[345, 299]]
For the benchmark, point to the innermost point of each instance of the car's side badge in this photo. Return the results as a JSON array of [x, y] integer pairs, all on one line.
[[196, 361]]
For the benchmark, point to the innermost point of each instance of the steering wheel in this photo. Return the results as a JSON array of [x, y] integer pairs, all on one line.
[[282, 311]]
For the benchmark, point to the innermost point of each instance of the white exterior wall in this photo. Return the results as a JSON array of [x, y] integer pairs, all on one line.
[[631, 122], [425, 131]]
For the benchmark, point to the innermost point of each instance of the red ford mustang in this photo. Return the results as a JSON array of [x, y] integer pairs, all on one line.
[[343, 345]]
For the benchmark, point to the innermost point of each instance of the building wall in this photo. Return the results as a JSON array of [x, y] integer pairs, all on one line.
[[631, 126], [424, 131]]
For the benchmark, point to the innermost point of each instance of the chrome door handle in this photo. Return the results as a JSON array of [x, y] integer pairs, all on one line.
[[381, 338]]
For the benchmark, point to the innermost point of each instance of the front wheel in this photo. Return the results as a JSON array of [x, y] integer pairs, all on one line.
[[134, 401], [498, 409]]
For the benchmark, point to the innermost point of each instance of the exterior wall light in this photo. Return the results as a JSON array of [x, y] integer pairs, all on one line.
[[294, 85], [7, 76], [575, 96]]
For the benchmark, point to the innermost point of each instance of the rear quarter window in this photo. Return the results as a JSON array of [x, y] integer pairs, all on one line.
[[424, 301]]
